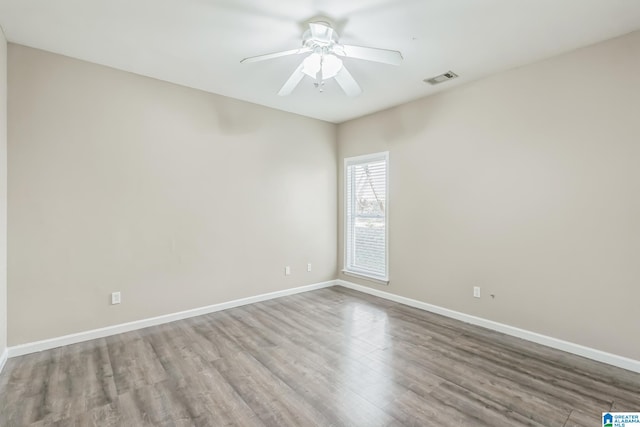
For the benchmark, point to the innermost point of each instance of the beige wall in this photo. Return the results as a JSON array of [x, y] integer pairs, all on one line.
[[175, 197], [526, 184], [3, 193]]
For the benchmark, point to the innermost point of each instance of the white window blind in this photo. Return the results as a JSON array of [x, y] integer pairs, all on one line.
[[366, 215]]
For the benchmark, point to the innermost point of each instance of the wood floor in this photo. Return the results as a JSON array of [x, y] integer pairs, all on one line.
[[329, 357]]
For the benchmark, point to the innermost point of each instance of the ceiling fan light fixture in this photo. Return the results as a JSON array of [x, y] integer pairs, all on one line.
[[327, 62], [311, 65], [331, 65]]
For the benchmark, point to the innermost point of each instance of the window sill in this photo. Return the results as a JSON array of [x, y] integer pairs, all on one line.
[[365, 277]]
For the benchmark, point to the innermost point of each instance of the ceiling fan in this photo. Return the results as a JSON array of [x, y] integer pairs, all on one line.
[[323, 61]]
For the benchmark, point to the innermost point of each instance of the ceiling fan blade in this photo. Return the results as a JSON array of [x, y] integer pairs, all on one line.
[[321, 31], [392, 57], [347, 82], [292, 82], [276, 55]]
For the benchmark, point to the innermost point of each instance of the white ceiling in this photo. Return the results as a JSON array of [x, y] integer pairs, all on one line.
[[199, 43]]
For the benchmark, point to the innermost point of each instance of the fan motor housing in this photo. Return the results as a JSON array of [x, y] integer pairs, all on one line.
[[328, 39]]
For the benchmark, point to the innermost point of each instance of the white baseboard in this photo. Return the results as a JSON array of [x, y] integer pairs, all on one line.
[[47, 344], [3, 358], [580, 350]]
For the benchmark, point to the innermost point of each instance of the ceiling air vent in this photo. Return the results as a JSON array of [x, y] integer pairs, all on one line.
[[449, 75]]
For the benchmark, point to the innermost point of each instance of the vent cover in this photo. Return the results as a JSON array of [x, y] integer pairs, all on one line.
[[449, 75]]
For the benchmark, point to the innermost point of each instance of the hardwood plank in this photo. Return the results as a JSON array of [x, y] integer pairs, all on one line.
[[414, 410], [134, 362], [513, 395], [273, 401], [338, 404]]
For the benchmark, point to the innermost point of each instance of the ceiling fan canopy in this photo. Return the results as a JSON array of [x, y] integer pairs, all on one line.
[[324, 61]]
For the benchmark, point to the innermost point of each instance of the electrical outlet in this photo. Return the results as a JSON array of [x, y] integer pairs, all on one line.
[[287, 270], [309, 266], [476, 291], [115, 298]]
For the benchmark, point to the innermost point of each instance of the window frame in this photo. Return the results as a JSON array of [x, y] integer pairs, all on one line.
[[356, 160]]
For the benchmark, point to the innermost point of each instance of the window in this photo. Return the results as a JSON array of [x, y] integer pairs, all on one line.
[[366, 216]]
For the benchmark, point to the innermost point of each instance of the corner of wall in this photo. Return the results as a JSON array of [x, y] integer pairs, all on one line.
[[3, 198]]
